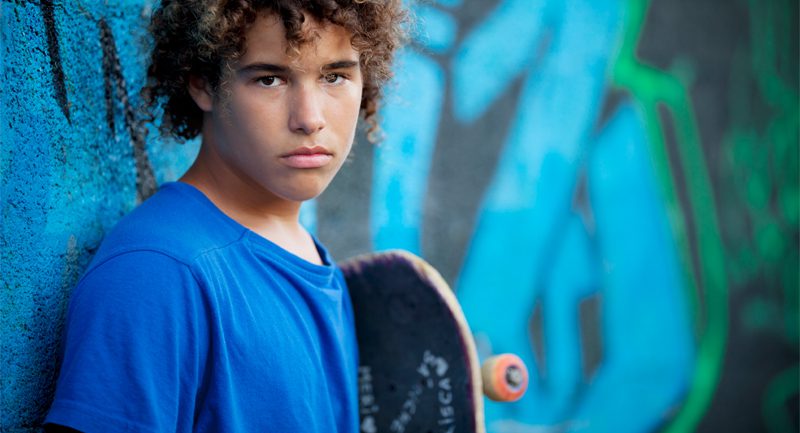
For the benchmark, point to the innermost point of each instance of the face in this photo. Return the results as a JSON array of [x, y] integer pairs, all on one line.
[[281, 123]]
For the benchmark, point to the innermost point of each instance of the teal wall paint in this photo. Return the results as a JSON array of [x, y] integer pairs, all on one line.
[[70, 170]]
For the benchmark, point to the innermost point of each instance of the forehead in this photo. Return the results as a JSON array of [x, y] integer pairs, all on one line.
[[265, 41]]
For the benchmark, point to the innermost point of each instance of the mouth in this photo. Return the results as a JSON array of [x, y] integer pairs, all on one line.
[[307, 157]]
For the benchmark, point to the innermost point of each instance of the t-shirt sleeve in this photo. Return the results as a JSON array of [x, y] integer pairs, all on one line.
[[134, 342]]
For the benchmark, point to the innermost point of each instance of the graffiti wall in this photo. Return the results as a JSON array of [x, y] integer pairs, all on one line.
[[610, 187], [74, 160]]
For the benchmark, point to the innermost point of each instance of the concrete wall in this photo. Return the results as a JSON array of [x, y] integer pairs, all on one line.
[[611, 187], [74, 160]]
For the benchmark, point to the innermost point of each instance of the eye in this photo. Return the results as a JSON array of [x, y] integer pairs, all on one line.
[[334, 78], [269, 81]]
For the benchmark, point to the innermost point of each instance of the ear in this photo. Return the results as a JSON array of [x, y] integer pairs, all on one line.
[[200, 91]]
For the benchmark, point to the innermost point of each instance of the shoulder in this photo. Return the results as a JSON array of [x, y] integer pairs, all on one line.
[[178, 222], [135, 278]]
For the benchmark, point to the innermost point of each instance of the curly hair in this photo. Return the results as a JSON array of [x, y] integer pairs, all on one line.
[[202, 37]]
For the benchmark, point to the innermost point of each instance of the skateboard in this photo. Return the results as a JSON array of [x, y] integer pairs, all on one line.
[[418, 366]]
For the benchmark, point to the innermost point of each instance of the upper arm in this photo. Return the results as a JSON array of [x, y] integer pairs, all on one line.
[[133, 346]]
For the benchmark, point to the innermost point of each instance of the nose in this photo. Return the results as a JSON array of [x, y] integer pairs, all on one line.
[[305, 111]]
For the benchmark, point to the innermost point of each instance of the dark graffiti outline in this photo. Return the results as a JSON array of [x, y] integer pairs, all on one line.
[[54, 52], [113, 82], [113, 78]]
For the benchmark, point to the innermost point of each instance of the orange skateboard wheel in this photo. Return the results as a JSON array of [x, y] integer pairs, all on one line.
[[505, 377]]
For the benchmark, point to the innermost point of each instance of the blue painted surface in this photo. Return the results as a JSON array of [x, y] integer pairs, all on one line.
[[530, 245], [402, 161], [308, 216], [64, 182], [646, 325], [436, 29], [495, 52]]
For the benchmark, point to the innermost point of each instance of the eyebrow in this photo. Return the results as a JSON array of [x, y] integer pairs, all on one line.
[[342, 64], [263, 67], [281, 69]]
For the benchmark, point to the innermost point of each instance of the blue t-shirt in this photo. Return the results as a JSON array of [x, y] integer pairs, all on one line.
[[186, 321]]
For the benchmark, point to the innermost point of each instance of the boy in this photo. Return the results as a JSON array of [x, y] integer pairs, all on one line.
[[209, 308]]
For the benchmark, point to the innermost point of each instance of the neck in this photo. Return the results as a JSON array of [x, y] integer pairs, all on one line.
[[251, 205]]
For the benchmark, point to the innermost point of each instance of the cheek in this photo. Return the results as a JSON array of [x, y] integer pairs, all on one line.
[[251, 123], [242, 142], [252, 114], [347, 112]]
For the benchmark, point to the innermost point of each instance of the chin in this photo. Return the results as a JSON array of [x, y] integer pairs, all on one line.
[[303, 197], [303, 194], [298, 187]]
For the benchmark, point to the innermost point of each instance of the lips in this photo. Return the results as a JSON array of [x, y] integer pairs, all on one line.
[[307, 157]]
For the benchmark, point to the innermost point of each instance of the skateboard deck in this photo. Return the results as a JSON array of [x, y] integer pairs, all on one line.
[[418, 366]]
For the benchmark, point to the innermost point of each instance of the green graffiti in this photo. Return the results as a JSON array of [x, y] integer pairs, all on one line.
[[762, 154], [656, 91], [763, 158], [774, 407]]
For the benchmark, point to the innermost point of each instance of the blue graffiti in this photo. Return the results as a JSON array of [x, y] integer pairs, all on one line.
[[68, 173], [402, 162], [531, 246], [493, 54]]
